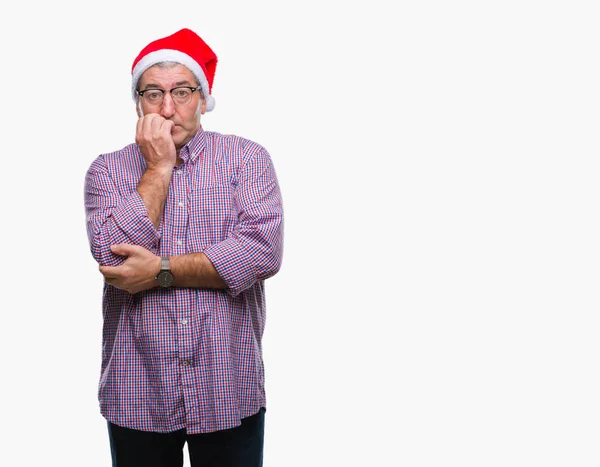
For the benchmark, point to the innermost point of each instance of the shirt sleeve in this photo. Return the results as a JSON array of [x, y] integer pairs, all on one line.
[[254, 250], [113, 217]]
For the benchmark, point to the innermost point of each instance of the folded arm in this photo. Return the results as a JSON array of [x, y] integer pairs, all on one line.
[[251, 253], [114, 218]]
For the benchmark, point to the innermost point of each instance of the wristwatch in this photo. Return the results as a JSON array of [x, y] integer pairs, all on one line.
[[165, 276]]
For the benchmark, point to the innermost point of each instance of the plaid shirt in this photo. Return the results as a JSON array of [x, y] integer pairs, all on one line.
[[187, 357]]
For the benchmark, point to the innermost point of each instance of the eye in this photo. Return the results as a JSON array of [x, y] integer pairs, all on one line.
[[181, 92], [153, 95]]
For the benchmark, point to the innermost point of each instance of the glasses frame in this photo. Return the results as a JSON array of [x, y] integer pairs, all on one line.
[[164, 91]]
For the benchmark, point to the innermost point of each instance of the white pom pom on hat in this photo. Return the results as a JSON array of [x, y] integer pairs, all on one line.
[[185, 47]]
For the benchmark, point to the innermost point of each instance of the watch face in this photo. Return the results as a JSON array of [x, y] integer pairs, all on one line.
[[164, 279]]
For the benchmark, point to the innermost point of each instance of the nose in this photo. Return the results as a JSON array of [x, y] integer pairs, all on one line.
[[167, 108]]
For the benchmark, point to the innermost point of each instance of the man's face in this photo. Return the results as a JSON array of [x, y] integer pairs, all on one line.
[[186, 117]]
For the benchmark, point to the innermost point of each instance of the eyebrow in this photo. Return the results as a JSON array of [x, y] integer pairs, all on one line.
[[178, 83]]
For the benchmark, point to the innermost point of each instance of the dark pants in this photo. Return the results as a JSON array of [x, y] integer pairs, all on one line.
[[241, 446]]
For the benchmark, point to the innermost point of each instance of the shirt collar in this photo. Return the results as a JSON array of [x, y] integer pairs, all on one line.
[[194, 148]]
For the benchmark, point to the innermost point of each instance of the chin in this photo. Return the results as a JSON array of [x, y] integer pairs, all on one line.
[[181, 139]]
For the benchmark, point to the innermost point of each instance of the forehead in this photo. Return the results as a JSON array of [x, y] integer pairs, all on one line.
[[169, 75]]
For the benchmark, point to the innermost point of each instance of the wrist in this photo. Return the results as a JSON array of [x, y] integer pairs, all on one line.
[[162, 170]]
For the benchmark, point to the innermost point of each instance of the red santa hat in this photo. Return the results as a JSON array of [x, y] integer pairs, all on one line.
[[184, 47]]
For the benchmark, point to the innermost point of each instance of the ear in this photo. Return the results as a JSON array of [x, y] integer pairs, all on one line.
[[203, 108], [138, 109]]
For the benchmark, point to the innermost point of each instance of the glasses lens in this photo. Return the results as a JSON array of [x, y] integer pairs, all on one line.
[[153, 96], [181, 95]]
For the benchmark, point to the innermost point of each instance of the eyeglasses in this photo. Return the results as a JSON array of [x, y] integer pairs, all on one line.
[[181, 95]]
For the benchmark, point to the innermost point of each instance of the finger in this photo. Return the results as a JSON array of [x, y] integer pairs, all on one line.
[[139, 130], [109, 272], [146, 125], [156, 125], [118, 249], [123, 249], [167, 127]]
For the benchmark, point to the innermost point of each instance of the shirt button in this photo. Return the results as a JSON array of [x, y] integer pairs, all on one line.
[[184, 321], [181, 204], [179, 172], [179, 242], [185, 362]]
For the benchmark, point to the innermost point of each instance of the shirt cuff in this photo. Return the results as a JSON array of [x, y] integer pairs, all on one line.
[[132, 218], [234, 265]]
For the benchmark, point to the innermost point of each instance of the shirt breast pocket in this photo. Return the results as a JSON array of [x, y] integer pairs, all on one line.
[[213, 216]]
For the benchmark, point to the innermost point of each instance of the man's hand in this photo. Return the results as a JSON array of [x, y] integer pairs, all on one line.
[[153, 136], [137, 273]]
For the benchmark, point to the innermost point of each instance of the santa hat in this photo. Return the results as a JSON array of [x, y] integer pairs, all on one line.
[[184, 47]]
